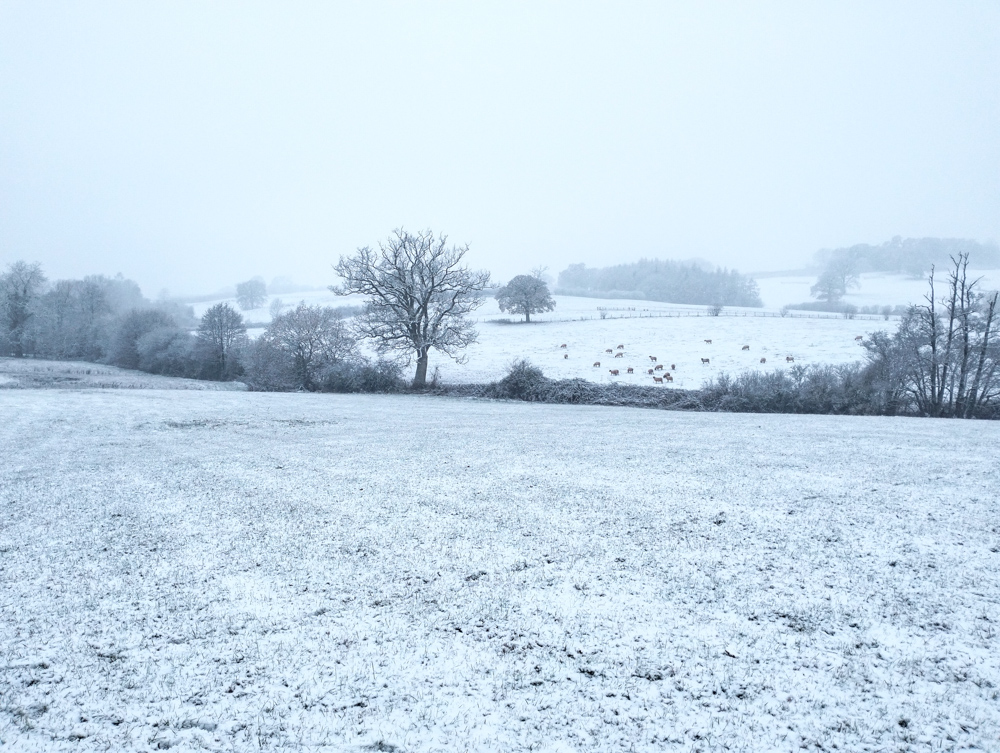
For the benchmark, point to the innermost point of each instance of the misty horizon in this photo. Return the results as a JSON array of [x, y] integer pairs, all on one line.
[[190, 147]]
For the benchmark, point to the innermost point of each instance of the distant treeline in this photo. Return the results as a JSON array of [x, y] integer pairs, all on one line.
[[666, 281], [913, 256], [108, 320], [97, 318]]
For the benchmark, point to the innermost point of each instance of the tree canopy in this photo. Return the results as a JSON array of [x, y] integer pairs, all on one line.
[[526, 295], [251, 294], [419, 295], [667, 281]]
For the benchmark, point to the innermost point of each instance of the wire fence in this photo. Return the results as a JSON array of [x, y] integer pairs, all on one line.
[[634, 313]]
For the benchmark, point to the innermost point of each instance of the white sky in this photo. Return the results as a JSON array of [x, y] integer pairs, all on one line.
[[193, 145]]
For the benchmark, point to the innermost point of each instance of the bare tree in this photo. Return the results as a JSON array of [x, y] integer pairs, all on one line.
[[251, 294], [20, 287], [314, 337], [276, 307], [221, 331], [527, 295], [419, 294], [950, 347]]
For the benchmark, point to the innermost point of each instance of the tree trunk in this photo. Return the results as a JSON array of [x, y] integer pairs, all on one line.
[[420, 379], [527, 316]]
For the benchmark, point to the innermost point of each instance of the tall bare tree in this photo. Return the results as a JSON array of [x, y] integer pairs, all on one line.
[[20, 287], [951, 347], [221, 331], [419, 295]]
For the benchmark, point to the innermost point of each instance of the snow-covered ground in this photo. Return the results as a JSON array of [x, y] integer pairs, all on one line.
[[236, 571], [29, 373], [874, 289], [675, 341], [675, 334]]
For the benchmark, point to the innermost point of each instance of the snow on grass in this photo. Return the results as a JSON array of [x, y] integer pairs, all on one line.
[[674, 341], [874, 289], [674, 333], [30, 373], [235, 571]]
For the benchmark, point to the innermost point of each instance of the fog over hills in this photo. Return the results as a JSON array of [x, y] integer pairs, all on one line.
[[189, 146]]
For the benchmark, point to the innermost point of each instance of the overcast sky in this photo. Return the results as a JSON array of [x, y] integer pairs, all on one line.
[[193, 145]]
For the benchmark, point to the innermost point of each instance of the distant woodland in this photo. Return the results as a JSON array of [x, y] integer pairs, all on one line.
[[667, 281], [913, 256]]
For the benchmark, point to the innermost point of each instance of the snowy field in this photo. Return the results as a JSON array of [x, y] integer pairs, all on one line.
[[874, 289], [675, 334], [30, 373], [237, 571]]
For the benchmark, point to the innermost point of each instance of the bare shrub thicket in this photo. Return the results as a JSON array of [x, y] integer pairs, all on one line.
[[943, 361], [945, 356], [801, 389], [302, 349]]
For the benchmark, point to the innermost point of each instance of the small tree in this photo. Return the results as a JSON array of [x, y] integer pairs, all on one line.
[[221, 332], [525, 294], [20, 287], [419, 294], [834, 281], [314, 338], [251, 294], [277, 307]]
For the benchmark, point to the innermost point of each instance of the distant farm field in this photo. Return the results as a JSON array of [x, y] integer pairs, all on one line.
[[675, 334], [234, 571]]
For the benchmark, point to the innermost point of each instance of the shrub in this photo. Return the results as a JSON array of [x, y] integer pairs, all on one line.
[[523, 381], [267, 367], [381, 376], [130, 328], [843, 390], [169, 351]]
